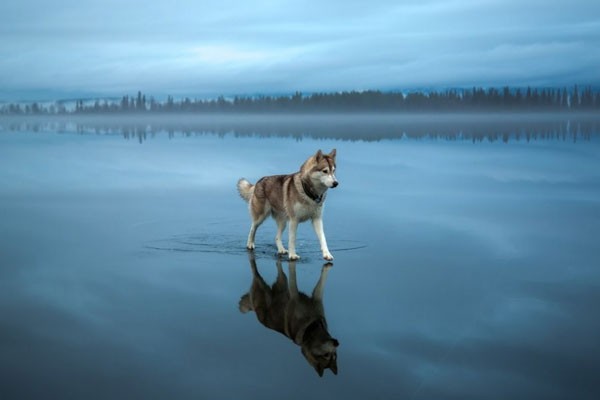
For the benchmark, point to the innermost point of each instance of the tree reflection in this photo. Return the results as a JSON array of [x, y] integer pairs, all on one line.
[[367, 127]]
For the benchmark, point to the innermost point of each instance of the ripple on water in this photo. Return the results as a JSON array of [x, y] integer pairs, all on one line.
[[236, 245]]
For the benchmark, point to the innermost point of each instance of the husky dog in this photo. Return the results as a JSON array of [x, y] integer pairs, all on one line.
[[295, 197], [301, 318]]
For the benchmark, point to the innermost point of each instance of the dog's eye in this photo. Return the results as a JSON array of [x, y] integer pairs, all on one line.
[[325, 171]]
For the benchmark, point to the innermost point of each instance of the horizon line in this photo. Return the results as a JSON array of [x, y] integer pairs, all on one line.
[[595, 87]]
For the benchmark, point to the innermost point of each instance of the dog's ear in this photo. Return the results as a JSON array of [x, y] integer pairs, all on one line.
[[319, 155], [332, 154], [319, 370], [333, 367]]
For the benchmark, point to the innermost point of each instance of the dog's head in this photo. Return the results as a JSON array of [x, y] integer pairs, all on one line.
[[322, 355], [321, 168]]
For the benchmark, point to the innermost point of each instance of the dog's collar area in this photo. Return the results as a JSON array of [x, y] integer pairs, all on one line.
[[309, 332], [311, 193]]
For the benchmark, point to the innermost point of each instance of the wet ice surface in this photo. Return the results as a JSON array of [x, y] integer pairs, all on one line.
[[462, 270]]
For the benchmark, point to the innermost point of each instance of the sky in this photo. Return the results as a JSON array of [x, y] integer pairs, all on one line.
[[71, 48]]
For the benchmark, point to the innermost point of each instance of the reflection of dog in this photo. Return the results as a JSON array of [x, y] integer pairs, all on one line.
[[301, 318], [295, 197]]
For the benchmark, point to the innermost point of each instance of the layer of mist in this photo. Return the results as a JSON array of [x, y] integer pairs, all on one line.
[[366, 127]]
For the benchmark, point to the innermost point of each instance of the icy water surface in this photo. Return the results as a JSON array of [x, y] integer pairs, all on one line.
[[466, 266]]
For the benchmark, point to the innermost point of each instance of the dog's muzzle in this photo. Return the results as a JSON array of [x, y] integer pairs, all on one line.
[[335, 183]]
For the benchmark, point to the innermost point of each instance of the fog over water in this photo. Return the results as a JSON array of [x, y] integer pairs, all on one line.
[[345, 126], [466, 257]]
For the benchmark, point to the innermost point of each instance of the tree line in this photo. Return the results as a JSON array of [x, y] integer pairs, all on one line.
[[450, 100]]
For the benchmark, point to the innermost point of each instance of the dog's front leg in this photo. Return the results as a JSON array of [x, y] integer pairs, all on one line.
[[318, 226], [293, 284], [317, 293], [280, 228], [292, 240]]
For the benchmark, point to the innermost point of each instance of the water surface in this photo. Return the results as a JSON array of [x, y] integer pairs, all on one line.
[[463, 268]]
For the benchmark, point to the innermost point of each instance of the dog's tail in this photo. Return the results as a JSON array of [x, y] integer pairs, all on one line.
[[245, 188], [245, 304]]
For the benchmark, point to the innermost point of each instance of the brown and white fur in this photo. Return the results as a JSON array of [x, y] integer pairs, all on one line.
[[296, 198]]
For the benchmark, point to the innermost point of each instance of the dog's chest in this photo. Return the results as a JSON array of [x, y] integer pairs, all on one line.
[[304, 211]]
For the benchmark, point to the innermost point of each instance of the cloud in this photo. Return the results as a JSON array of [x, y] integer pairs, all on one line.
[[241, 47], [221, 55]]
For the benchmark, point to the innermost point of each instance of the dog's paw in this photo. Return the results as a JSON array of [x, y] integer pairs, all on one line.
[[282, 252], [250, 246], [293, 257], [327, 256]]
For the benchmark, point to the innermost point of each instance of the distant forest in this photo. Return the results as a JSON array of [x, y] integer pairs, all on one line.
[[573, 99]]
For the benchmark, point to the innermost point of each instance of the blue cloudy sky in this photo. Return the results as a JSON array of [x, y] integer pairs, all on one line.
[[62, 48]]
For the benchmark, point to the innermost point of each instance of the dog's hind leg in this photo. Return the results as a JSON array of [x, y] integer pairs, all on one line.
[[281, 222], [293, 285], [259, 213], [252, 234]]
